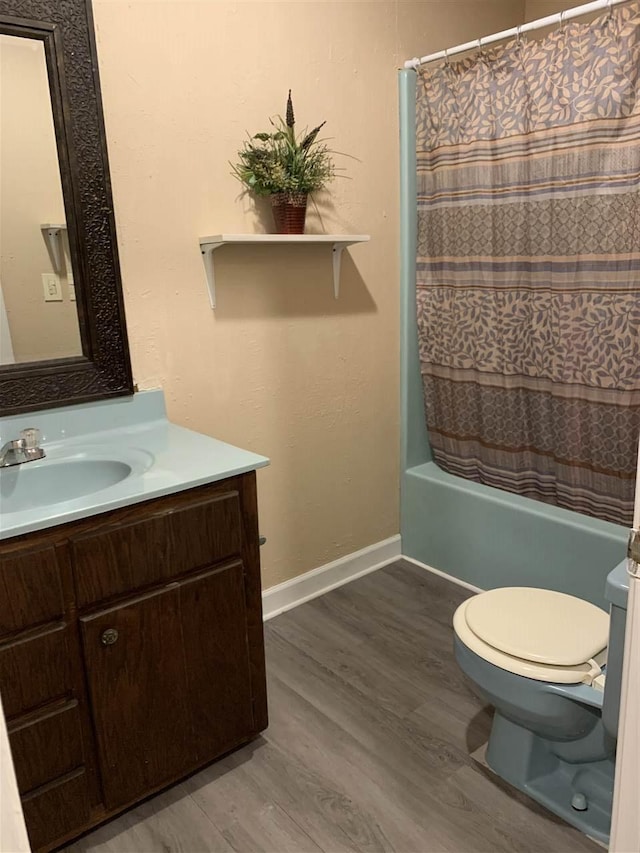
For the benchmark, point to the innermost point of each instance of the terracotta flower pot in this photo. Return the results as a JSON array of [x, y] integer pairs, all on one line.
[[289, 212]]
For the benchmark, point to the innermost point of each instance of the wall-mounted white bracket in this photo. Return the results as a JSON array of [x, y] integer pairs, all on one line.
[[339, 242], [337, 261], [207, 250], [53, 236]]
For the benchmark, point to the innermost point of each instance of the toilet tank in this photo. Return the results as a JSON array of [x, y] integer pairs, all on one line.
[[616, 593]]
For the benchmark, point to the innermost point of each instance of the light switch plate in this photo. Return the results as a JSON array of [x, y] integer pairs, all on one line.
[[51, 287]]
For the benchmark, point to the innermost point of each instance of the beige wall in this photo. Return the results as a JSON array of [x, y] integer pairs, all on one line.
[[30, 195], [280, 367], [535, 9]]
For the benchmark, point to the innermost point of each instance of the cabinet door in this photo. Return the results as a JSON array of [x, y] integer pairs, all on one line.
[[214, 625], [135, 664]]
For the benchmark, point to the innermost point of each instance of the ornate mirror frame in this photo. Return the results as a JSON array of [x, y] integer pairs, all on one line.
[[66, 29]]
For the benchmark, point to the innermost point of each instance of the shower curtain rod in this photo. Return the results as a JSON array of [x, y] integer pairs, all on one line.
[[549, 21]]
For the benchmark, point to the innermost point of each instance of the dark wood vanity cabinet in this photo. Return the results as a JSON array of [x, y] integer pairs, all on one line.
[[131, 652]]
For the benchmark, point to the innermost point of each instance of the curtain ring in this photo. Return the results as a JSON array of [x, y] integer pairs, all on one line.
[[562, 20], [519, 34], [608, 21], [446, 58]]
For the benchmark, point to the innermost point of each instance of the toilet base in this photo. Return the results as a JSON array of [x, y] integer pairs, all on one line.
[[530, 763]]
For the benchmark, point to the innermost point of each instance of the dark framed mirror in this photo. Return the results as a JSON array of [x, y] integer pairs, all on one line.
[[62, 326]]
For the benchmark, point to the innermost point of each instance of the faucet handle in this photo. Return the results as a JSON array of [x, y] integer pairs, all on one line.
[[31, 436]]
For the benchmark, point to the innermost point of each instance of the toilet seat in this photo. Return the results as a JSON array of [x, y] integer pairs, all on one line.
[[539, 634]]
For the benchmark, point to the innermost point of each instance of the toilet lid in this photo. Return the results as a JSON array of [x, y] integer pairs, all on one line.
[[583, 673], [539, 625]]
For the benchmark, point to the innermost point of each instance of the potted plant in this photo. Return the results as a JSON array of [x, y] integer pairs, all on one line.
[[286, 167]]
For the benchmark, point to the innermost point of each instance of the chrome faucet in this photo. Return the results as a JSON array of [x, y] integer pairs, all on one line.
[[23, 449]]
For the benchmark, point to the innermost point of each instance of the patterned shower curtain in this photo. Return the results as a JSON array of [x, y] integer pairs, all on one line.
[[528, 267]]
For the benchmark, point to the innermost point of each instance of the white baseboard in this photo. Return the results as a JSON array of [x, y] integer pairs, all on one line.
[[287, 595], [284, 596], [442, 574]]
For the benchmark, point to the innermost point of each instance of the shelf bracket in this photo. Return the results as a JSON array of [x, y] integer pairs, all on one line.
[[207, 250], [337, 261], [52, 235]]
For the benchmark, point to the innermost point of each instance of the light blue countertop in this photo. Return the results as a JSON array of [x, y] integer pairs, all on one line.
[[132, 431]]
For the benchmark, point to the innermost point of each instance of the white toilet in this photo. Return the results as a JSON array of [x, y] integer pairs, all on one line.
[[551, 665]]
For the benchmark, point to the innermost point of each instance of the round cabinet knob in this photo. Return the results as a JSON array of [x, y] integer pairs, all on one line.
[[109, 637]]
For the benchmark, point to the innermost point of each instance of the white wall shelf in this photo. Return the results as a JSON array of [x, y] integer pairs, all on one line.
[[338, 242]]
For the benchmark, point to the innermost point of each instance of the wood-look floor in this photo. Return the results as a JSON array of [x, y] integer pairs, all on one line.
[[368, 748]]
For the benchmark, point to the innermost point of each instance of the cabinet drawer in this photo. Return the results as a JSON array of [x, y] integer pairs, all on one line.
[[34, 670], [30, 591], [57, 809], [47, 747], [134, 555]]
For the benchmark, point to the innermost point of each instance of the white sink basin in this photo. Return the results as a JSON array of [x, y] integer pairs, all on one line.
[[56, 479]]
